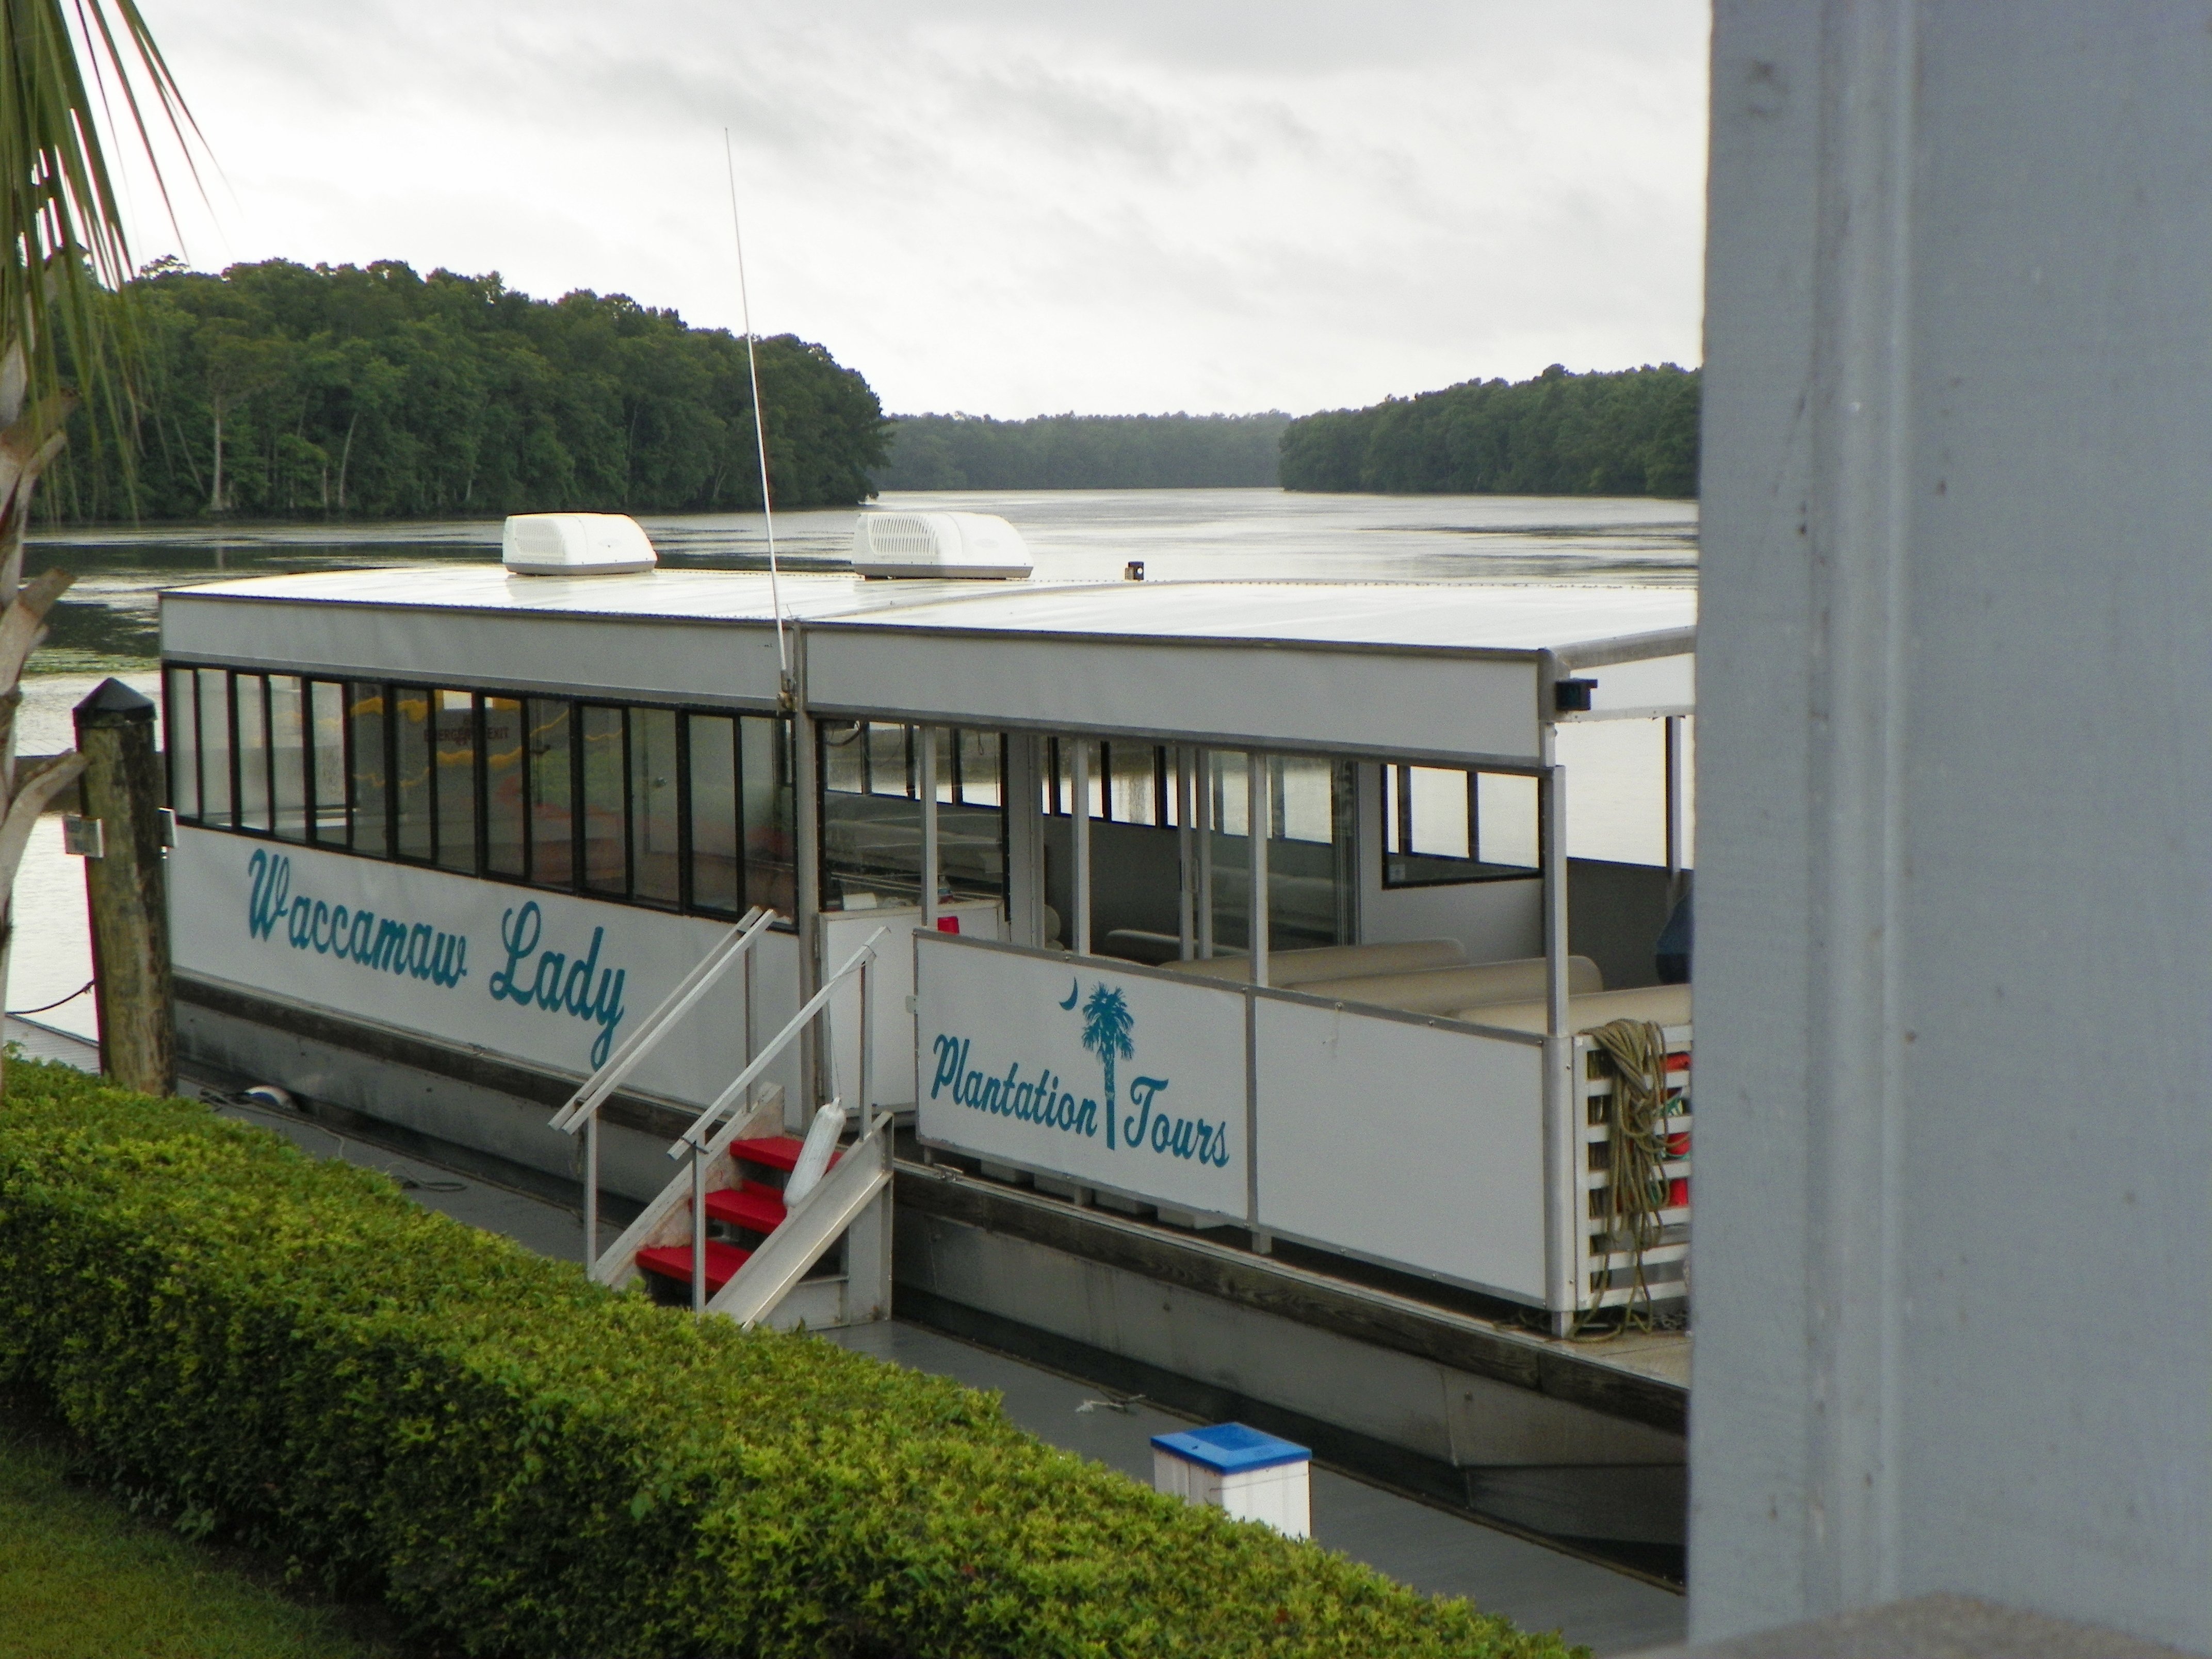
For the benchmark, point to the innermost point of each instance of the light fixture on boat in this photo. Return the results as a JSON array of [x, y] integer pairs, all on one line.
[[965, 545], [575, 544]]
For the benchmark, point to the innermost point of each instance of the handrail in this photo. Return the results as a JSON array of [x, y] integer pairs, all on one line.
[[689, 1142], [594, 1091]]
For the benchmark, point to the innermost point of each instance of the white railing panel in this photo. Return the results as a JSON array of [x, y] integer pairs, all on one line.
[[1095, 1071], [1402, 1141], [843, 933]]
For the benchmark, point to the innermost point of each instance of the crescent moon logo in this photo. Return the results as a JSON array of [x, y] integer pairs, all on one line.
[[1074, 991]]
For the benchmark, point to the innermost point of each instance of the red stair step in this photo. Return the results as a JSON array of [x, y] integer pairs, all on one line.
[[753, 1209], [773, 1152], [674, 1261]]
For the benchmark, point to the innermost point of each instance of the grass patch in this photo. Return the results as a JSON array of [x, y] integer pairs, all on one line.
[[80, 1578]]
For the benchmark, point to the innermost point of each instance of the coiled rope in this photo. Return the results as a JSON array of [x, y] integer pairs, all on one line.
[[1635, 1052]]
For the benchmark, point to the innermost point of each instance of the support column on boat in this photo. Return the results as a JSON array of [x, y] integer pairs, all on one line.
[[1561, 1187], [1257, 812], [806, 859], [1079, 823], [1186, 864], [924, 766], [1202, 771], [1024, 796]]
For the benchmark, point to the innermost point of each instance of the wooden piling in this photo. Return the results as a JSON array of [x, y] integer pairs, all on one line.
[[127, 889]]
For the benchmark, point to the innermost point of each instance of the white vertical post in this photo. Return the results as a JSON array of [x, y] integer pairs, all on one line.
[[807, 857], [698, 1233], [1677, 802], [867, 1042], [1080, 831], [1202, 776], [1562, 1184], [925, 766], [592, 1192], [1186, 870], [1258, 815]]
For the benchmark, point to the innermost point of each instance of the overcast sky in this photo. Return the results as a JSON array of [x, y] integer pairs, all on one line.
[[1008, 207]]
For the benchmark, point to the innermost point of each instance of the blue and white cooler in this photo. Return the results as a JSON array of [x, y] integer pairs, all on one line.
[[1251, 1475]]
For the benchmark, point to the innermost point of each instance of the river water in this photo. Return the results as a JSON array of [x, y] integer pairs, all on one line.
[[107, 623]]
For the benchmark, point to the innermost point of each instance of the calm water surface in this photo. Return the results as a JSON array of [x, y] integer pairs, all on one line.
[[107, 625]]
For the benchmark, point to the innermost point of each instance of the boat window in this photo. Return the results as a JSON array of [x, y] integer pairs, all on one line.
[[415, 836], [599, 735], [655, 836], [872, 816], [551, 791], [182, 723], [326, 762], [215, 746], [711, 743], [505, 810], [649, 805], [767, 809], [251, 695], [368, 707], [890, 760], [1311, 867], [287, 755], [975, 774], [457, 780], [1134, 777], [1442, 824]]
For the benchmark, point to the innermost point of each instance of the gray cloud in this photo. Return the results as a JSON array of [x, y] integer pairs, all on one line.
[[1005, 207]]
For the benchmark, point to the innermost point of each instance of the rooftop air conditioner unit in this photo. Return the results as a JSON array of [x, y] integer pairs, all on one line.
[[575, 544], [970, 546]]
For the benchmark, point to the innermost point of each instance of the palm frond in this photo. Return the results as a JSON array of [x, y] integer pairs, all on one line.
[[65, 253]]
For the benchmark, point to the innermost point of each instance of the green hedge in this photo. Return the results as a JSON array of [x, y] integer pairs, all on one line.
[[290, 1353]]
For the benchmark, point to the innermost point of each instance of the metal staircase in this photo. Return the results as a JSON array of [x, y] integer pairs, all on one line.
[[742, 1227]]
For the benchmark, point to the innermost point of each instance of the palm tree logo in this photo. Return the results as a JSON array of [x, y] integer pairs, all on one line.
[[1107, 1022]]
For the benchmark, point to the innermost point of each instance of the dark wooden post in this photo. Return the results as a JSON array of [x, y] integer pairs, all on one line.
[[127, 889]]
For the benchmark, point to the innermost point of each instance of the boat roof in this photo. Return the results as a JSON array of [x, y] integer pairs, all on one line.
[[1409, 668], [1410, 615]]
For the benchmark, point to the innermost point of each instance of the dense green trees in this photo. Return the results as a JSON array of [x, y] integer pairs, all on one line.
[[280, 391], [1634, 433], [1083, 452]]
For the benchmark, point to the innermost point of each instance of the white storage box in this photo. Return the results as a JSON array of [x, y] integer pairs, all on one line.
[[575, 544], [1251, 1475]]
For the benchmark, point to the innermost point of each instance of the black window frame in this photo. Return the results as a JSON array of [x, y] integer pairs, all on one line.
[[183, 679]]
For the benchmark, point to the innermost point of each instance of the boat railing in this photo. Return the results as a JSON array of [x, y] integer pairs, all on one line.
[[581, 1114], [708, 1138]]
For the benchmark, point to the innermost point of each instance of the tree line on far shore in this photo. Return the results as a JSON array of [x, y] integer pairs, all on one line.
[[280, 389], [1083, 452], [284, 391], [1630, 433]]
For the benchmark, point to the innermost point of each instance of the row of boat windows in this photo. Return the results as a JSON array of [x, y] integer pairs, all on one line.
[[679, 809], [690, 810]]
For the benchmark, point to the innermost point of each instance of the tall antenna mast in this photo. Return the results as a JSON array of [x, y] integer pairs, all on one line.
[[760, 424]]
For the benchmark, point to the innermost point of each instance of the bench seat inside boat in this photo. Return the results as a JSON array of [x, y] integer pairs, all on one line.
[[1448, 990], [1332, 961], [1663, 1005]]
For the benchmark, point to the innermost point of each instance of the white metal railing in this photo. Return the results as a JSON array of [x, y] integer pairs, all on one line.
[[581, 1112], [704, 1141]]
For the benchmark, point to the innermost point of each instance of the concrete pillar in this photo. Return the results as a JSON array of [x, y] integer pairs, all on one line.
[[127, 889], [1954, 907]]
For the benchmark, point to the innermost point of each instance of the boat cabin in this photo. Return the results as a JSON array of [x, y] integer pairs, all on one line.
[[1274, 910]]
